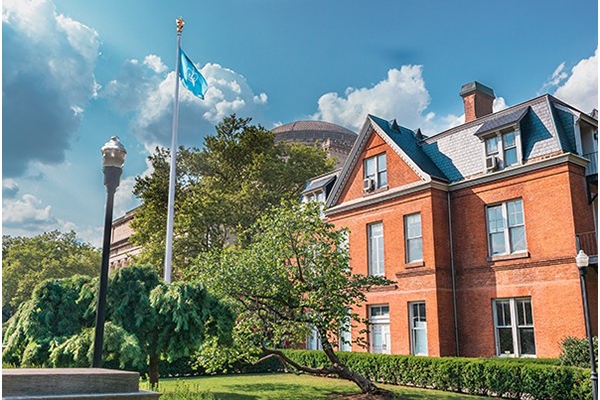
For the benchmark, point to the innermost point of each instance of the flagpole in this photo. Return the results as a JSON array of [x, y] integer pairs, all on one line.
[[172, 175]]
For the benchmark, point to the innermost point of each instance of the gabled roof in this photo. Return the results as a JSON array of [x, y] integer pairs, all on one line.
[[402, 141], [407, 141], [320, 181], [502, 121]]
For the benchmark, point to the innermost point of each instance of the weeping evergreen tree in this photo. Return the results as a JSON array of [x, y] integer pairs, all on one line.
[[146, 320]]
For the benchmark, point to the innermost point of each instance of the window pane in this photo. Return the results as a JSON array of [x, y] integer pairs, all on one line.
[[517, 239], [510, 157], [385, 310], [506, 340], [491, 145], [503, 313], [413, 226], [497, 243], [527, 339], [381, 179], [422, 315], [381, 163], [524, 312], [370, 167], [420, 337], [508, 140], [495, 219], [376, 249], [415, 250], [515, 212]]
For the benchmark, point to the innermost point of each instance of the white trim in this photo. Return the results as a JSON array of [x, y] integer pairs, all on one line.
[[406, 238], [357, 149], [514, 326], [386, 195], [412, 329], [505, 173], [577, 131]]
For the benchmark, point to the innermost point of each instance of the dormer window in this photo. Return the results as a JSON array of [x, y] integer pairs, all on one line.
[[509, 142], [375, 172], [502, 149]]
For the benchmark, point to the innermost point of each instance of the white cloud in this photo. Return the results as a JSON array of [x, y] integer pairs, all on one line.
[[581, 88], [555, 79], [402, 95], [155, 63], [47, 80], [146, 91], [27, 216], [9, 188]]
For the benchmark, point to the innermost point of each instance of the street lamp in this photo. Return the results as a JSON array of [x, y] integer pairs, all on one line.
[[583, 261], [113, 158]]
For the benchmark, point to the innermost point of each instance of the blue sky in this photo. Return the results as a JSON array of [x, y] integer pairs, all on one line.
[[75, 73]]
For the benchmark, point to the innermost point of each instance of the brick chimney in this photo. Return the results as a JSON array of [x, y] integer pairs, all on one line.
[[478, 100]]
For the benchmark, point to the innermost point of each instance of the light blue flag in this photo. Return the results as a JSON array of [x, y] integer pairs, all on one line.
[[191, 78]]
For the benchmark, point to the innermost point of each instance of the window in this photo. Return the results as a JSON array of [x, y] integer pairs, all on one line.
[[506, 228], [313, 341], [513, 321], [491, 146], [376, 169], [418, 328], [345, 336], [412, 232], [379, 333], [509, 143], [376, 265]]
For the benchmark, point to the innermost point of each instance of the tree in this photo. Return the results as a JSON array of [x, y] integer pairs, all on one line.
[[146, 320], [293, 276], [221, 190], [28, 261]]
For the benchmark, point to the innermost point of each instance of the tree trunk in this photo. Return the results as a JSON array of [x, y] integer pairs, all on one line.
[[153, 370], [337, 368], [365, 385]]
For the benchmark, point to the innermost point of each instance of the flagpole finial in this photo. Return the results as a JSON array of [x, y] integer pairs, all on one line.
[[180, 24]]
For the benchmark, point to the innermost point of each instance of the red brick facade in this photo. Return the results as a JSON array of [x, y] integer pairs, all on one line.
[[555, 209]]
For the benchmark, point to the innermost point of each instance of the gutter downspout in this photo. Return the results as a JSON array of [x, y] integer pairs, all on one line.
[[453, 277]]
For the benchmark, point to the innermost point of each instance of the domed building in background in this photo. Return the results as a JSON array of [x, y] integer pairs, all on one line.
[[336, 140]]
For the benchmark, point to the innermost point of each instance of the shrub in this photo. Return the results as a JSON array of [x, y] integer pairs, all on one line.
[[575, 352], [478, 376]]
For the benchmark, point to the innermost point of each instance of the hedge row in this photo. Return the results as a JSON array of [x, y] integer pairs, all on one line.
[[477, 376]]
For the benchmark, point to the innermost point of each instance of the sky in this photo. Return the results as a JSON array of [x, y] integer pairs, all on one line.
[[75, 73]]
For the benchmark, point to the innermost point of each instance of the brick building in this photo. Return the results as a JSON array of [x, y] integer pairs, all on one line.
[[478, 225]]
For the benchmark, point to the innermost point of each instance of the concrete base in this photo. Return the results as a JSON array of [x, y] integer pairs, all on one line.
[[72, 383]]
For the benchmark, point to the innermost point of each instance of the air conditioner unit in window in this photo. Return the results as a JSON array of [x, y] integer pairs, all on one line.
[[491, 163], [369, 184]]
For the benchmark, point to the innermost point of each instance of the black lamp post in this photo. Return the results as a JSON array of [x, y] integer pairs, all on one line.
[[583, 261], [113, 158]]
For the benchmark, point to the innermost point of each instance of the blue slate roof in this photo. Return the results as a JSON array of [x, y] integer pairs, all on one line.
[[501, 121], [405, 139]]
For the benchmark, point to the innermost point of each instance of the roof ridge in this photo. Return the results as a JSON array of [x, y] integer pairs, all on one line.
[[481, 120]]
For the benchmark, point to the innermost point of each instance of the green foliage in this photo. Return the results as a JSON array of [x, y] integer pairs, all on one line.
[[576, 352], [120, 349], [55, 311], [220, 190], [145, 318], [28, 261], [294, 274], [488, 377]]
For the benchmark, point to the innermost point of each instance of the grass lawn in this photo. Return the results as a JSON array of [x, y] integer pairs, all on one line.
[[278, 386]]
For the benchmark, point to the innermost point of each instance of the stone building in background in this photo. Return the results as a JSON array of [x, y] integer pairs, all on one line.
[[337, 141]]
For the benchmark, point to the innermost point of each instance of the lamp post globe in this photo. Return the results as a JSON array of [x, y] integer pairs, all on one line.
[[583, 260], [113, 159]]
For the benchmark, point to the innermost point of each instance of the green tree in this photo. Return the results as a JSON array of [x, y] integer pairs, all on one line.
[[28, 261], [146, 320], [220, 190], [292, 276]]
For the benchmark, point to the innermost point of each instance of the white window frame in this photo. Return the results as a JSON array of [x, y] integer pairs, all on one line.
[[345, 335], [407, 238], [314, 338], [370, 250], [514, 317], [375, 177], [379, 320], [504, 150], [500, 152], [507, 228], [412, 329]]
